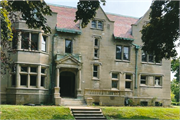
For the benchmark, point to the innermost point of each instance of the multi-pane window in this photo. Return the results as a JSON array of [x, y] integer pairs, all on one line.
[[95, 71], [143, 80], [148, 58], [114, 80], [128, 81], [68, 46], [43, 43], [100, 25], [96, 48], [13, 76], [93, 24], [122, 52], [96, 24], [28, 76]]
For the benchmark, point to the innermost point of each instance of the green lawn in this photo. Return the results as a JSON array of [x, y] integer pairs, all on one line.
[[141, 112], [34, 112]]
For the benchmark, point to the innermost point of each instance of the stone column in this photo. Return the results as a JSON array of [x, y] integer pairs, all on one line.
[[19, 41], [57, 77], [39, 77], [79, 87], [29, 41], [39, 42], [17, 75], [28, 80]]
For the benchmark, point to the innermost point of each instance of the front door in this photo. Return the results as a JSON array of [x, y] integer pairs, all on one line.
[[67, 84]]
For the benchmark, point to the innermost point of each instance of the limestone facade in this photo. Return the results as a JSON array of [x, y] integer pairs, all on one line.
[[102, 63]]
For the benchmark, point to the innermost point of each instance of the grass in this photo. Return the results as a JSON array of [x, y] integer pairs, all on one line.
[[141, 112], [34, 112]]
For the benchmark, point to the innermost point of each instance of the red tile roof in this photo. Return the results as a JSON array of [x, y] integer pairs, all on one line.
[[66, 17]]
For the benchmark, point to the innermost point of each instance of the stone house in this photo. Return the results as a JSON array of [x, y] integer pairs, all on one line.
[[102, 63]]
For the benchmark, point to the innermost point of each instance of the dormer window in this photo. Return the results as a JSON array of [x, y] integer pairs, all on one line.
[[97, 24]]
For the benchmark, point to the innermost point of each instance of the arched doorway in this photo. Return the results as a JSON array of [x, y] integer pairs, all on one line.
[[67, 84]]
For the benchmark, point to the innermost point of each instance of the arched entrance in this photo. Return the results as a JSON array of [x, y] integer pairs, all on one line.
[[67, 84]]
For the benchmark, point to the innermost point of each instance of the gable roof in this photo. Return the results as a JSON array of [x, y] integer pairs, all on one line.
[[66, 16]]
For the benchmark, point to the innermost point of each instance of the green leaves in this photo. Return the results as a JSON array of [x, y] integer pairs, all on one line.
[[86, 11], [162, 31]]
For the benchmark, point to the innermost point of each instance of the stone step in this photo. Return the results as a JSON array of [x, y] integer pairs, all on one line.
[[72, 102], [90, 117], [85, 109], [92, 112], [87, 114]]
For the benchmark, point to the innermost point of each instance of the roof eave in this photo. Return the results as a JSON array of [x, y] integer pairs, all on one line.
[[123, 38], [65, 30]]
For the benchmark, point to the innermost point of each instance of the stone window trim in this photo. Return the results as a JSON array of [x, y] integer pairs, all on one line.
[[98, 70], [146, 61], [97, 24], [121, 59], [28, 75], [39, 41]]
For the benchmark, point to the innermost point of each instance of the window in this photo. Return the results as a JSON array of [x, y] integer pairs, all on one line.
[[158, 104], [100, 25], [128, 81], [43, 76], [93, 24], [25, 41], [114, 80], [43, 70], [143, 80], [157, 81], [33, 69], [122, 52], [42, 81], [15, 40], [34, 41], [23, 69], [24, 80], [43, 44], [96, 48], [144, 103], [148, 58], [96, 24], [68, 46], [95, 71], [33, 80]]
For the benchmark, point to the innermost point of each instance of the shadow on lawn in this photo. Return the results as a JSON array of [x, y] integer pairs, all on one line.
[[133, 117], [57, 116]]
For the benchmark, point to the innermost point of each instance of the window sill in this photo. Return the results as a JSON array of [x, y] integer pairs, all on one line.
[[95, 58], [143, 85], [126, 61], [151, 63], [115, 79], [26, 50], [150, 86], [96, 29], [95, 78], [114, 89], [128, 80], [128, 89]]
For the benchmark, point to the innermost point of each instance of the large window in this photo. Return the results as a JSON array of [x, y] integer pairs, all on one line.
[[122, 52], [97, 24], [68, 46], [148, 58]]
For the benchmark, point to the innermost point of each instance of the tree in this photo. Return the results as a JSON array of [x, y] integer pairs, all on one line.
[[175, 64], [34, 12], [162, 30], [175, 89]]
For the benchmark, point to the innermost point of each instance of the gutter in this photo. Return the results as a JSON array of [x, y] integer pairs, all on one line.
[[69, 30], [122, 38], [136, 68]]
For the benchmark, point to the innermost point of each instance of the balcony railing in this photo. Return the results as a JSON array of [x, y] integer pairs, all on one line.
[[98, 92]]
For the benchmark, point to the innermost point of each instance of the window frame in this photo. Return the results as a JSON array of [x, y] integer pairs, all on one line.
[[148, 60], [122, 53], [115, 79], [129, 80], [95, 24], [70, 48], [96, 48]]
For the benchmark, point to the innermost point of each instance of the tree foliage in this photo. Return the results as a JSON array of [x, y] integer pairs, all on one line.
[[162, 31], [86, 10], [175, 64], [175, 89]]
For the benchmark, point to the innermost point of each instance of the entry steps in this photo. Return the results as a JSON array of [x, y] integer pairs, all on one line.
[[87, 113], [72, 102]]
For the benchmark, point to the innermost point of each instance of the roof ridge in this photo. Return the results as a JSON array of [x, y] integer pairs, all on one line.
[[57, 5], [121, 15]]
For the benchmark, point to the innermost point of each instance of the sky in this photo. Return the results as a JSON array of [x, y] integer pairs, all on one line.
[[133, 8]]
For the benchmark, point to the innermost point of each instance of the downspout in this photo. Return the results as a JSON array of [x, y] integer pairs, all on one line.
[[52, 65], [136, 59]]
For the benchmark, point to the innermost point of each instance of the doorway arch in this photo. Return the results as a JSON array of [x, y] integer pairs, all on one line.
[[67, 84]]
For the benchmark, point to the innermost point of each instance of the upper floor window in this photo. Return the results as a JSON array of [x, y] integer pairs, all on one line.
[[68, 46], [122, 52], [95, 71], [25, 41], [97, 24], [96, 48], [43, 44], [143, 80], [148, 58], [158, 81]]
